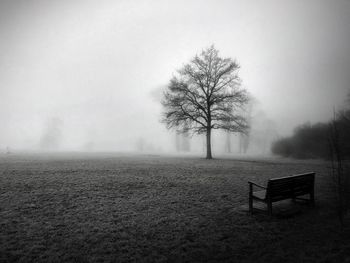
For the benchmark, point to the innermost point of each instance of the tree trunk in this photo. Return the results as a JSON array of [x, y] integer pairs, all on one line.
[[209, 156]]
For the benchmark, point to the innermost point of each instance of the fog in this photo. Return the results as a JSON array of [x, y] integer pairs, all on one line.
[[88, 75]]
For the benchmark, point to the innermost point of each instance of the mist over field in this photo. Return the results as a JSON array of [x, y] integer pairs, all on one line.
[[89, 75], [175, 131]]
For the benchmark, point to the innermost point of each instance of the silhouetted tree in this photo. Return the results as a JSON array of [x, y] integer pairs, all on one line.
[[339, 141], [206, 95]]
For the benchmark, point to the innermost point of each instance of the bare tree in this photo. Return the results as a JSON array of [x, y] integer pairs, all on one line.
[[206, 95]]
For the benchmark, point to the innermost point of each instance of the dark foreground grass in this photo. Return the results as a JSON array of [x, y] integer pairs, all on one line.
[[109, 208]]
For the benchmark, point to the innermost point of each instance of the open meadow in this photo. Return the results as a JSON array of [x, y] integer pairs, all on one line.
[[149, 208]]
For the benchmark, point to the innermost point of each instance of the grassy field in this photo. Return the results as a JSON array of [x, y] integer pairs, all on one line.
[[115, 208]]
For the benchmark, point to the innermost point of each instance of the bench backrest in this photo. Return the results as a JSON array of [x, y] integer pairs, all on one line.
[[290, 186]]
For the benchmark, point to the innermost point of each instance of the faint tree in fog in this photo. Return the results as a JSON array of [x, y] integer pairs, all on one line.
[[206, 95], [140, 144], [8, 150], [244, 138], [228, 142], [182, 141], [52, 135]]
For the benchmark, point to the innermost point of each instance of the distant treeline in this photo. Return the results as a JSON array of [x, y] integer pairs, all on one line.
[[317, 140]]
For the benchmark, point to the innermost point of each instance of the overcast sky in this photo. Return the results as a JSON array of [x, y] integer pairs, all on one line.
[[96, 64]]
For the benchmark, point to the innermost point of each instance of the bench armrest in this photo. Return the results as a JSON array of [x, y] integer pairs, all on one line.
[[258, 185]]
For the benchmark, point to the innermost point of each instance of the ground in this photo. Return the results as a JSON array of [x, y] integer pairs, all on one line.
[[148, 208]]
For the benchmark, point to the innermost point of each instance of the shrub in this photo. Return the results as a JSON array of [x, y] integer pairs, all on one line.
[[307, 141]]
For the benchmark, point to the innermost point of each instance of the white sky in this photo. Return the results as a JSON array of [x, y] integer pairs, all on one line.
[[94, 64]]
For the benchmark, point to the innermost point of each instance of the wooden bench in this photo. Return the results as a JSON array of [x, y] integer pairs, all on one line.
[[289, 187]]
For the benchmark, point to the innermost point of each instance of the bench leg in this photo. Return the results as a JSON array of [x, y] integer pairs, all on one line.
[[250, 204], [250, 198], [269, 208], [312, 199]]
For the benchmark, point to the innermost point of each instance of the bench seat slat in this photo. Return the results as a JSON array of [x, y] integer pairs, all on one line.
[[261, 195]]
